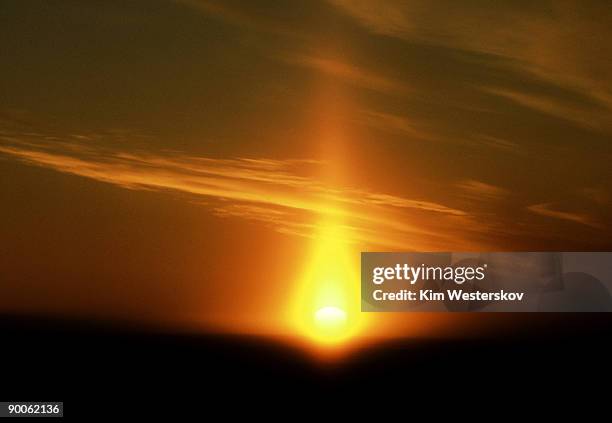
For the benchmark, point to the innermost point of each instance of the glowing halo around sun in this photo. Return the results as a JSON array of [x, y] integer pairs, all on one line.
[[326, 308]]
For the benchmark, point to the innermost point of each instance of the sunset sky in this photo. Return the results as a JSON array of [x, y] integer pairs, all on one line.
[[199, 162]]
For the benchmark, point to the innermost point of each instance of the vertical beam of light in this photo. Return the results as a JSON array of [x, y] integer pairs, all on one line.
[[326, 306]]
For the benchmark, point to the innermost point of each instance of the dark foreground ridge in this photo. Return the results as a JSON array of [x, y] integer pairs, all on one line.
[[93, 366]]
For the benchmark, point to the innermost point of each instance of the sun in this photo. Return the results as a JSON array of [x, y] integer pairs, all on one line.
[[326, 308], [330, 318]]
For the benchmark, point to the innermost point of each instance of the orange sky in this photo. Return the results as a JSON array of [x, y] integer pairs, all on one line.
[[176, 161]]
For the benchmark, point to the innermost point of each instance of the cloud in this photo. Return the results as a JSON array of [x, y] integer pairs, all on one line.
[[350, 73], [545, 209], [557, 46], [392, 123], [499, 144], [598, 195], [282, 220], [480, 190], [390, 200], [239, 17], [284, 194], [516, 43], [587, 117]]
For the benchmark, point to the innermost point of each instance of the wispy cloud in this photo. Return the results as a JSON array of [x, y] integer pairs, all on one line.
[[598, 195], [499, 144], [350, 73], [285, 194], [392, 123], [480, 190], [589, 118], [239, 17], [552, 45], [544, 209]]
